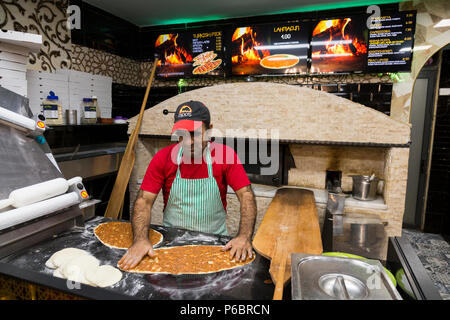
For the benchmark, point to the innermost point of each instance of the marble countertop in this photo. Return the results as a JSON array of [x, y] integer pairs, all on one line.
[[321, 196]]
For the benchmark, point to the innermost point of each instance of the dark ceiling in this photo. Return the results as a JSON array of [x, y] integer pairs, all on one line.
[[151, 13]]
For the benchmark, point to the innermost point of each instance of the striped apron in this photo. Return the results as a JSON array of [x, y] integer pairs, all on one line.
[[195, 204]]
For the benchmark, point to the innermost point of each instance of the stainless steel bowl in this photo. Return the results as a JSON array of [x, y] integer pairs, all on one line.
[[364, 188]]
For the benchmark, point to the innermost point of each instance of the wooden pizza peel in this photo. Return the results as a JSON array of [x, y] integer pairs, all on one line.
[[115, 203], [290, 225]]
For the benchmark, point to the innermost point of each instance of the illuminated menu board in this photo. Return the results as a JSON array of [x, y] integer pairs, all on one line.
[[189, 54], [280, 48], [339, 45], [391, 40], [207, 53], [174, 53]]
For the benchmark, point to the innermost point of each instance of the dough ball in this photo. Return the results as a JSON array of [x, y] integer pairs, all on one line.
[[62, 256], [75, 268], [103, 276]]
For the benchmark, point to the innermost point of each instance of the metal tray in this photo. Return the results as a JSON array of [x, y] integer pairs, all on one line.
[[316, 277]]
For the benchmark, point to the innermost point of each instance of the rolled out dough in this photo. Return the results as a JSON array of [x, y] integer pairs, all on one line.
[[57, 273], [62, 256], [119, 235], [103, 276], [188, 259], [78, 265], [75, 268]]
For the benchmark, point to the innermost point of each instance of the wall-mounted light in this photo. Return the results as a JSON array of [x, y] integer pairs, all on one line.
[[181, 83], [416, 48], [442, 24]]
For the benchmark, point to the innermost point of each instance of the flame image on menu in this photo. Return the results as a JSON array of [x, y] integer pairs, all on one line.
[[244, 40], [269, 49], [338, 45], [174, 56]]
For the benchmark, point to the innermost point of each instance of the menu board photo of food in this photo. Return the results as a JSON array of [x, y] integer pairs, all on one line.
[[174, 53], [270, 49], [207, 53], [339, 45]]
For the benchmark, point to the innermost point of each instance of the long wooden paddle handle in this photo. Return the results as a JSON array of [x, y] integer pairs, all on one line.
[[115, 202], [144, 103], [278, 293]]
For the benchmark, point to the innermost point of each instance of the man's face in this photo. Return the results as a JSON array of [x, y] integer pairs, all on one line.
[[194, 142]]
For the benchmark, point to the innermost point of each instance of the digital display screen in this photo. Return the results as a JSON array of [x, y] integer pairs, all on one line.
[[280, 48], [174, 53], [207, 52], [339, 45], [391, 40], [189, 54]]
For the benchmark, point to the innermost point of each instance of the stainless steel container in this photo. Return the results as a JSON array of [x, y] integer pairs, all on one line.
[[317, 277], [364, 187], [363, 234], [71, 117]]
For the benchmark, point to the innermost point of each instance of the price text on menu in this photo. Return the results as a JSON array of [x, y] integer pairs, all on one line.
[[391, 39]]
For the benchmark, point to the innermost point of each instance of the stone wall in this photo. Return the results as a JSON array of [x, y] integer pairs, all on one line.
[[317, 116], [295, 113]]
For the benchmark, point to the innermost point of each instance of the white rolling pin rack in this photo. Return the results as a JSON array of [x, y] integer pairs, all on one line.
[[41, 199], [31, 214]]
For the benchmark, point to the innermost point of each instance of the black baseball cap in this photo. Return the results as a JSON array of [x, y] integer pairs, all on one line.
[[190, 115]]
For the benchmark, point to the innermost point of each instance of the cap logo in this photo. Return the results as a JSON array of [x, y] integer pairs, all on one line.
[[185, 109]]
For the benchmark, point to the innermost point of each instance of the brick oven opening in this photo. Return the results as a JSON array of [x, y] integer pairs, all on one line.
[[260, 158]]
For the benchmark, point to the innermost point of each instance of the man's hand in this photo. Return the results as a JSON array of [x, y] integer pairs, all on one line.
[[140, 221], [135, 254], [240, 247]]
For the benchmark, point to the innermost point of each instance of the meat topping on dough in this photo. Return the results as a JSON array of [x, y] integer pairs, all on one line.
[[195, 259]]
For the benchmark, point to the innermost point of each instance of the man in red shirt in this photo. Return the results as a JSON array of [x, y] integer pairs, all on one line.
[[194, 175]]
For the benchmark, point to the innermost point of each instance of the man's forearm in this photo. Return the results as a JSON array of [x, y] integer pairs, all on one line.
[[248, 213], [141, 218]]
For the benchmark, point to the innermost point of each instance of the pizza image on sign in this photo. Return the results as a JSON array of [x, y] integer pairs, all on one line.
[[204, 57], [207, 67], [279, 61]]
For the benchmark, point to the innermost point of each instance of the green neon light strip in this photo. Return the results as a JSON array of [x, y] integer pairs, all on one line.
[[338, 5], [307, 8], [189, 20]]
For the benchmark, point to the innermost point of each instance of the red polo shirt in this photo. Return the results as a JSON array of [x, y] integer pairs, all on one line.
[[227, 170]]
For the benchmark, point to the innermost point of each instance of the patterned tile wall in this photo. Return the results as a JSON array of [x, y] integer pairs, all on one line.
[[44, 17], [121, 70]]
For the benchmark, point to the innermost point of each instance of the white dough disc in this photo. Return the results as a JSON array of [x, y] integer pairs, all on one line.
[[103, 276], [62, 256], [75, 268], [57, 273]]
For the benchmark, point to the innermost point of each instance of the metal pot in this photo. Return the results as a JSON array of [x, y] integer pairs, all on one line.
[[364, 187], [71, 117]]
